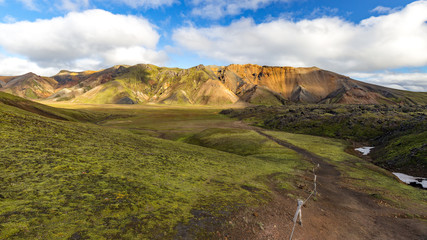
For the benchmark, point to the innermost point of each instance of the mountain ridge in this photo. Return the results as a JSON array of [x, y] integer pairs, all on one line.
[[207, 85]]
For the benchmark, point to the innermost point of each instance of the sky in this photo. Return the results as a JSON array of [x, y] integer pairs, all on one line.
[[378, 41]]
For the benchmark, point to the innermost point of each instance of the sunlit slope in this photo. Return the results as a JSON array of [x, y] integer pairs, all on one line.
[[309, 85], [46, 111], [29, 86], [149, 83], [61, 179]]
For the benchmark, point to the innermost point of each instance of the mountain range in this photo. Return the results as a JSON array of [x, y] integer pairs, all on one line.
[[206, 85]]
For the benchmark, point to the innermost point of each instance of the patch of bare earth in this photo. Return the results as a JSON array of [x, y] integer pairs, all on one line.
[[337, 212]]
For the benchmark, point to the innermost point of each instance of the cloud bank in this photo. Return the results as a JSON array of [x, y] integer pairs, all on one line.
[[389, 41], [404, 81], [79, 41]]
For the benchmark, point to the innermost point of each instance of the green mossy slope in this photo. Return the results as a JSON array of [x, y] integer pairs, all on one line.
[[50, 112], [61, 179], [149, 83]]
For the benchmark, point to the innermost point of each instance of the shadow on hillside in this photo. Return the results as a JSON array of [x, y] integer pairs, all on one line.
[[140, 74]]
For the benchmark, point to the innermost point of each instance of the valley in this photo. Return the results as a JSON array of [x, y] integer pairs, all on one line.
[[185, 172], [145, 152], [213, 120]]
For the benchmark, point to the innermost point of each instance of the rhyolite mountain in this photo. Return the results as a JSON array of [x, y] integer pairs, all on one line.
[[212, 85], [29, 85]]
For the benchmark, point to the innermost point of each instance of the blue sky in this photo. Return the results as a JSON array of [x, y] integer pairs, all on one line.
[[382, 42]]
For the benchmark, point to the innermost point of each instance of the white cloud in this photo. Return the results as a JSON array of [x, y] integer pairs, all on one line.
[[132, 55], [94, 36], [377, 43], [148, 3], [9, 19], [215, 9], [29, 4], [323, 11], [387, 10], [13, 66], [404, 81], [73, 5], [77, 5]]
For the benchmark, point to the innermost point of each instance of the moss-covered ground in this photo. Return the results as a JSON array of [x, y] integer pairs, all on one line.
[[107, 175], [63, 179]]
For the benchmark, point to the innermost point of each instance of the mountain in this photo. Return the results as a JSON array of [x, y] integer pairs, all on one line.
[[256, 83], [29, 86], [211, 85]]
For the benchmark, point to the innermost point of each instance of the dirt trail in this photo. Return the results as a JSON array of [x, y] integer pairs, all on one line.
[[337, 213]]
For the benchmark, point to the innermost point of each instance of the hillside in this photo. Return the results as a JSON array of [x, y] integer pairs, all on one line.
[[50, 112], [207, 85], [29, 86], [70, 180], [219, 179]]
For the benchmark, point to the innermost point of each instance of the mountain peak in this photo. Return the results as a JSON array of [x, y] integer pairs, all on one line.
[[62, 72], [30, 74], [121, 66]]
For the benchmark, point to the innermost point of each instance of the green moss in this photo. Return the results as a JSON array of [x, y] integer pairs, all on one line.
[[47, 111], [29, 93], [408, 151], [266, 98], [61, 179]]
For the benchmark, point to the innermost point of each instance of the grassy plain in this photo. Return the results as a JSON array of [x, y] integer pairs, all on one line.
[[203, 126], [109, 178], [62, 179]]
